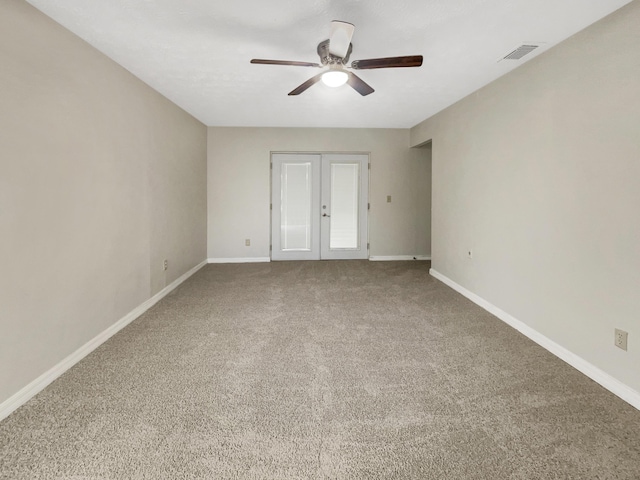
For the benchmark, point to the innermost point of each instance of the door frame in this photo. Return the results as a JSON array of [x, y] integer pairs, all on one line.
[[320, 154]]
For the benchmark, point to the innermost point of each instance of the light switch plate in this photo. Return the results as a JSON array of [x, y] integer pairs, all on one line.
[[620, 339]]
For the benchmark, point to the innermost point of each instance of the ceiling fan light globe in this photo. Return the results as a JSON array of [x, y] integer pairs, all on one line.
[[334, 78]]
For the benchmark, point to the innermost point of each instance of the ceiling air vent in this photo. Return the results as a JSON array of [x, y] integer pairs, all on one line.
[[520, 52]]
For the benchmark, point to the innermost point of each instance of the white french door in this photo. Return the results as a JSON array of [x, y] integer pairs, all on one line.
[[295, 203], [343, 221], [319, 206]]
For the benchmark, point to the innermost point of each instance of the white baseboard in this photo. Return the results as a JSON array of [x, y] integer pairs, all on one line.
[[25, 394], [392, 258], [615, 386], [240, 260]]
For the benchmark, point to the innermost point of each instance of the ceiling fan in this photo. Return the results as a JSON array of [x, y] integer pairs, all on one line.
[[334, 56]]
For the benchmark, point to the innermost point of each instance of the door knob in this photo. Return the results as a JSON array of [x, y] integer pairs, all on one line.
[[325, 215]]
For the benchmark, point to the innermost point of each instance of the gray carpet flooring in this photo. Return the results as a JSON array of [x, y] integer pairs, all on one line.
[[312, 370]]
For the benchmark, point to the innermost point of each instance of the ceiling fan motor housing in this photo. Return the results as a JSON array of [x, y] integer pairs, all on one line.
[[327, 59]]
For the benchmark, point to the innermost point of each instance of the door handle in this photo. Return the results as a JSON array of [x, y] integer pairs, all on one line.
[[325, 215]]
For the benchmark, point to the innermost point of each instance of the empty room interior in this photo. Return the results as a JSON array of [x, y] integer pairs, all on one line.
[[218, 264]]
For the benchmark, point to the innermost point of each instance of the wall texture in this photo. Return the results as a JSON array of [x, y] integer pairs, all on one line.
[[539, 173], [239, 186], [101, 178]]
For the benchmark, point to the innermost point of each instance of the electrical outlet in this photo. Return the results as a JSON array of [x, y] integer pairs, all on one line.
[[469, 254], [247, 242], [165, 264], [388, 198], [621, 339]]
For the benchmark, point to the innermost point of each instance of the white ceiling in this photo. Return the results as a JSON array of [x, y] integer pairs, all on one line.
[[197, 52]]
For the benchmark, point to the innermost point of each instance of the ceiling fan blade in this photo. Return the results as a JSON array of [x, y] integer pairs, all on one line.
[[284, 62], [305, 85], [340, 38], [358, 84], [389, 62]]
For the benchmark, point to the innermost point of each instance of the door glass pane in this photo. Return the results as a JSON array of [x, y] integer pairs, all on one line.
[[344, 205], [295, 228]]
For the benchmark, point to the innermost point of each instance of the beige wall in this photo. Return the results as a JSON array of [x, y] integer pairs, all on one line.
[[239, 186], [539, 174], [100, 179]]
